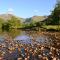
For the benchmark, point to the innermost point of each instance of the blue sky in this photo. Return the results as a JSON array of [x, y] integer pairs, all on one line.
[[27, 8]]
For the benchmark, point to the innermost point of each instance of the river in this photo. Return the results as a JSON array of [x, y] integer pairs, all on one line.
[[10, 39], [41, 37]]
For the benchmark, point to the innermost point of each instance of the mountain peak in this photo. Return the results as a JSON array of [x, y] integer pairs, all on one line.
[[38, 18], [6, 16]]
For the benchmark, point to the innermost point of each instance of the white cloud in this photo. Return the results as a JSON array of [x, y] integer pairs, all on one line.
[[10, 10], [36, 12]]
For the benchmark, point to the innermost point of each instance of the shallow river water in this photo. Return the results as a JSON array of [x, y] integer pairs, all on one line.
[[12, 40], [26, 37]]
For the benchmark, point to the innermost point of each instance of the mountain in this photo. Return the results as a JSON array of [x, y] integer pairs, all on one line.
[[6, 17], [38, 18], [35, 19]]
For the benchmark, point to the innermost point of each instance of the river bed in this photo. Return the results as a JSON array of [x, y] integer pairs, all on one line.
[[10, 41]]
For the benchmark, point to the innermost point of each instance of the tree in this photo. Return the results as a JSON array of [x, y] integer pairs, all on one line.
[[14, 22], [1, 22], [56, 14], [5, 26]]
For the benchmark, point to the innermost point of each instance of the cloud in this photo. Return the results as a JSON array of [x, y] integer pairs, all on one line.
[[36, 11], [10, 10]]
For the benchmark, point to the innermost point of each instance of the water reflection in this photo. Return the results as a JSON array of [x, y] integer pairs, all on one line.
[[14, 32], [24, 39]]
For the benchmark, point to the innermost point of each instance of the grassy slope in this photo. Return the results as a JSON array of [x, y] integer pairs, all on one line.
[[55, 27]]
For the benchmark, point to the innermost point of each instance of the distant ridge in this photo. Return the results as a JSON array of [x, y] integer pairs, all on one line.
[[35, 19], [6, 16], [38, 18], [9, 16]]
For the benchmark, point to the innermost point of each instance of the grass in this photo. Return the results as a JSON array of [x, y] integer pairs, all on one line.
[[55, 27]]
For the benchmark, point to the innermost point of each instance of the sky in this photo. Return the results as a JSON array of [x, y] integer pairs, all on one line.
[[27, 8]]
